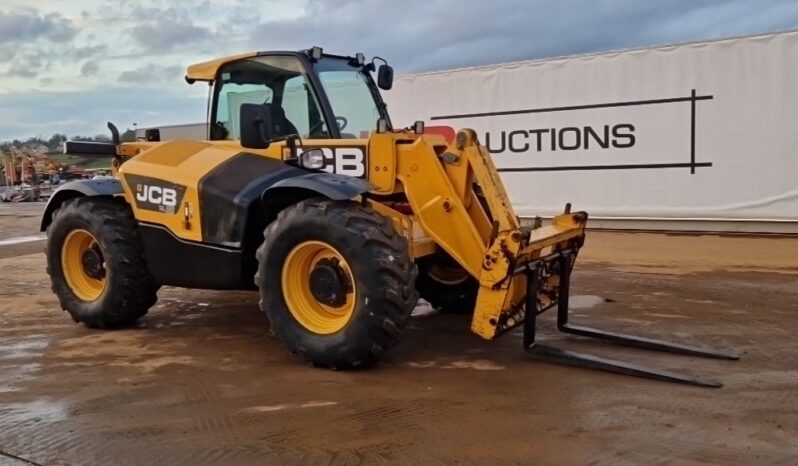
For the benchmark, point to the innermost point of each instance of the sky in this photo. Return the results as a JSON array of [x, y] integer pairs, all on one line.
[[69, 66]]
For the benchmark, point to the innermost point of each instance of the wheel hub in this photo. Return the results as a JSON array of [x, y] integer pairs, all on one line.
[[329, 283], [92, 261]]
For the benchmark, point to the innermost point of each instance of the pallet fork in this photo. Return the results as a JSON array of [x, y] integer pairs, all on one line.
[[562, 262]]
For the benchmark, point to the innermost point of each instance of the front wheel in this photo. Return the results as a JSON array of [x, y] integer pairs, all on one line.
[[96, 264], [336, 282]]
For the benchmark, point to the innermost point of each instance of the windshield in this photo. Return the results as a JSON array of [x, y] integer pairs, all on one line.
[[352, 99]]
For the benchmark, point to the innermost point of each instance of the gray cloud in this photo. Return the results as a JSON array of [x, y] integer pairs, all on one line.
[[31, 25], [27, 64], [164, 34], [150, 73], [184, 26], [30, 61], [31, 42], [85, 52], [90, 68], [19, 70], [450, 33]]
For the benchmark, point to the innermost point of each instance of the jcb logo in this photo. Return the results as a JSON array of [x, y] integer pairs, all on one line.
[[349, 161], [154, 194]]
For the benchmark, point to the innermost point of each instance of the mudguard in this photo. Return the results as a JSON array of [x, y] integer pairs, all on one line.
[[240, 196], [79, 188], [336, 187], [229, 196]]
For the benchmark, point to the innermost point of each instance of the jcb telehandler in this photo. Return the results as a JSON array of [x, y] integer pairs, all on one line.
[[304, 191]]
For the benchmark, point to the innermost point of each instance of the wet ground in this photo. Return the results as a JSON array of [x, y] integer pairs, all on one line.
[[199, 381]]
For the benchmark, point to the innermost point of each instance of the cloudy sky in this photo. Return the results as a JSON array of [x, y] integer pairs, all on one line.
[[70, 65]]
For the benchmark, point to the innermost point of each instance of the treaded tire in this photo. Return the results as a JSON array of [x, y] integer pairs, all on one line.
[[129, 289], [458, 297], [382, 269]]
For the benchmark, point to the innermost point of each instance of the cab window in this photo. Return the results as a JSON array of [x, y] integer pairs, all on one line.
[[351, 96], [280, 81]]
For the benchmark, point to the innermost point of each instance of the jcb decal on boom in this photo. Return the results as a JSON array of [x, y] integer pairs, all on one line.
[[154, 194], [349, 161]]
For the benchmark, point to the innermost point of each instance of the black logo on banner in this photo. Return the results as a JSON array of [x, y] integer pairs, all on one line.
[[615, 135], [154, 194], [620, 136]]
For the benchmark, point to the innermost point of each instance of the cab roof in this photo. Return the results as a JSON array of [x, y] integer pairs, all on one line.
[[206, 71]]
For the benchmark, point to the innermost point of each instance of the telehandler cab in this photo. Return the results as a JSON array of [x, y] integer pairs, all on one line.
[[304, 191]]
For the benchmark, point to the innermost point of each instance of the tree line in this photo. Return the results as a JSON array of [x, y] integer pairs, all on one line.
[[56, 142]]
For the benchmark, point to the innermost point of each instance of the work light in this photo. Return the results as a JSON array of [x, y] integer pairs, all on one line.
[[312, 159]]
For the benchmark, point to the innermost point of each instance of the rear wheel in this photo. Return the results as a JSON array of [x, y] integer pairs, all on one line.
[[446, 285], [95, 263], [335, 280]]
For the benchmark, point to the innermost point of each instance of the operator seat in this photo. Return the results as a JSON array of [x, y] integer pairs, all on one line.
[[281, 126]]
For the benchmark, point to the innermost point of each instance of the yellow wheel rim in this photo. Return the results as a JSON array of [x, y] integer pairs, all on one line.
[[76, 245], [303, 304]]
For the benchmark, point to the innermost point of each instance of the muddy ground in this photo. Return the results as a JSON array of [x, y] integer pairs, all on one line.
[[200, 381]]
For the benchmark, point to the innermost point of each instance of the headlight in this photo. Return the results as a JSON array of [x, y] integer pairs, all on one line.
[[312, 159]]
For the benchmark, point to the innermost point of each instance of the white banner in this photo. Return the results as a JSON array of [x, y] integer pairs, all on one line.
[[695, 132]]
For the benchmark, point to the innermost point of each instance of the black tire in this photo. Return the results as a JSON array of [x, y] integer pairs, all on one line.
[[381, 267], [446, 285], [128, 290]]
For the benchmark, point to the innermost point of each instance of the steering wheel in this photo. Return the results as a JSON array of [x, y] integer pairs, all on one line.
[[339, 120]]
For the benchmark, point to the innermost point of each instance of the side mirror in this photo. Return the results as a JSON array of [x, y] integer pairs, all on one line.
[[385, 77], [256, 125]]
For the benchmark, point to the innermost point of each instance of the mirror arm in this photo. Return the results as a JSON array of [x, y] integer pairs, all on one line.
[[291, 142]]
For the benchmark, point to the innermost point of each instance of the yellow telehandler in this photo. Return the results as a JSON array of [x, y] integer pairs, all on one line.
[[305, 192]]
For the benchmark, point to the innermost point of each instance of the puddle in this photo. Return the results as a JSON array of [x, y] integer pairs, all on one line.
[[34, 411], [666, 316], [585, 301], [318, 404], [16, 373], [154, 363], [280, 407], [23, 349], [479, 365], [21, 240]]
